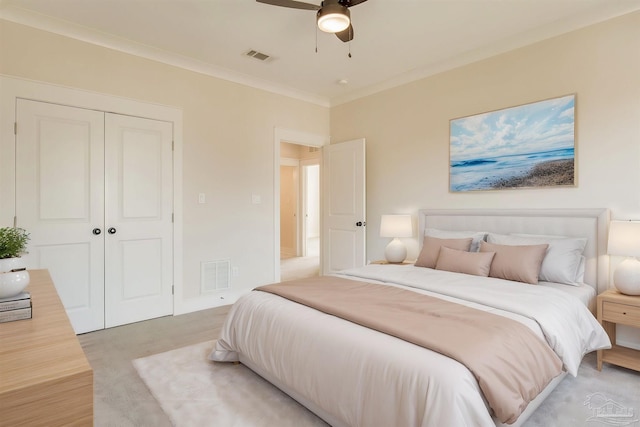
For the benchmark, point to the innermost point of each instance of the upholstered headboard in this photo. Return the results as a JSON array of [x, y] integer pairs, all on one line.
[[590, 223]]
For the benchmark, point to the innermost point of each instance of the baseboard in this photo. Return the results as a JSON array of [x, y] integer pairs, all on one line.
[[203, 302]]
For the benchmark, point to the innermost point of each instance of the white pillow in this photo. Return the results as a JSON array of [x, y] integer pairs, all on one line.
[[561, 263], [581, 268], [476, 236], [583, 260]]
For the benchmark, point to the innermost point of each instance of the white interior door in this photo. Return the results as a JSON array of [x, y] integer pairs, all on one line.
[[138, 219], [344, 206], [60, 201]]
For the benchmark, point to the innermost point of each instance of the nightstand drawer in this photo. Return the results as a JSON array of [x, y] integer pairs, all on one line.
[[621, 313]]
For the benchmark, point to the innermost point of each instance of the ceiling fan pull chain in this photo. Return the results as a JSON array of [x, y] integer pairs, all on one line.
[[316, 39], [349, 49]]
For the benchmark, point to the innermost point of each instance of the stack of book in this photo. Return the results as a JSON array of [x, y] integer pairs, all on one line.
[[15, 308]]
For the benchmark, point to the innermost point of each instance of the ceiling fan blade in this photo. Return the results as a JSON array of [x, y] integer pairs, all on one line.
[[291, 4], [346, 35], [349, 3]]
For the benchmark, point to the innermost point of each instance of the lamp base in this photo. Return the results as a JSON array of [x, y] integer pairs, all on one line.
[[626, 278], [395, 251]]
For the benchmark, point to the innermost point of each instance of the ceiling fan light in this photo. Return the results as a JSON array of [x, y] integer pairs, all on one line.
[[334, 18]]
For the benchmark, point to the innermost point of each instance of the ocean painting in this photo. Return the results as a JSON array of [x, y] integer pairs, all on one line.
[[531, 145]]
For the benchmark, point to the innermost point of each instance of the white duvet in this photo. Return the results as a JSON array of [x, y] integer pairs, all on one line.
[[360, 377]]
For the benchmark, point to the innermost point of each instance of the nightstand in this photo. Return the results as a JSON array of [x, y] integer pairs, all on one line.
[[385, 262], [616, 308]]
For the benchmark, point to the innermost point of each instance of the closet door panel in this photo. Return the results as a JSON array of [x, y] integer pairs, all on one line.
[[139, 213], [60, 201]]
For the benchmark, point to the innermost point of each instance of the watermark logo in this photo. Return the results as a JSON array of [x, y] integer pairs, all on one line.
[[609, 412]]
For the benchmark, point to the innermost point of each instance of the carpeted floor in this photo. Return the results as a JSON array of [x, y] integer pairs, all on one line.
[[121, 398], [194, 391], [299, 267]]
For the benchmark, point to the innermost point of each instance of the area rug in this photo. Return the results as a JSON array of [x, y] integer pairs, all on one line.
[[194, 391]]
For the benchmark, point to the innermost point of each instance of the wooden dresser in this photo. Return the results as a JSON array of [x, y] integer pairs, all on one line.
[[45, 378]]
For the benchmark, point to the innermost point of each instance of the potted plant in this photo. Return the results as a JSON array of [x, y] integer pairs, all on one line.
[[13, 275]]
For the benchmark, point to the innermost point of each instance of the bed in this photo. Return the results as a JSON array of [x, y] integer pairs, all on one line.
[[352, 375]]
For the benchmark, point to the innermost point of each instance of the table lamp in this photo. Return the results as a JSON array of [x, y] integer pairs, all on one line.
[[396, 226], [624, 240]]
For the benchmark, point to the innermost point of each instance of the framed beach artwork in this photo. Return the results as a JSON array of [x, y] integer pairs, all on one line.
[[531, 145]]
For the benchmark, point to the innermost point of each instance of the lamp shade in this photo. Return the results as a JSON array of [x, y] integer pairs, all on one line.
[[396, 226], [624, 238], [333, 18]]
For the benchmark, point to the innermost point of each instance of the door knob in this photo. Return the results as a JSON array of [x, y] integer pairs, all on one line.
[[359, 224], [96, 231], [111, 230]]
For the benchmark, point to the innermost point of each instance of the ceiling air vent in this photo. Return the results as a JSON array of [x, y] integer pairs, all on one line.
[[258, 55]]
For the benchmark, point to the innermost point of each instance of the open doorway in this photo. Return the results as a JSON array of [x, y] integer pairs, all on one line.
[[310, 170], [299, 211]]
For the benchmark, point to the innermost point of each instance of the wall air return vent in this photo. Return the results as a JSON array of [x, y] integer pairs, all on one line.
[[214, 276], [258, 55]]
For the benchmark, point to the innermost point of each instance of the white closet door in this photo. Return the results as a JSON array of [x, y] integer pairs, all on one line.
[[138, 219], [60, 201]]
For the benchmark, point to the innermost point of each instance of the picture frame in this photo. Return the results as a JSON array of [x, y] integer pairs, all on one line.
[[526, 146]]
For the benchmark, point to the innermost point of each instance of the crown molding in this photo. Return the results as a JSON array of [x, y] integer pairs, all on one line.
[[78, 32]]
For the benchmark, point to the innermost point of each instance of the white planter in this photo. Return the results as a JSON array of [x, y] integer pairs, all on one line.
[[12, 282], [8, 264]]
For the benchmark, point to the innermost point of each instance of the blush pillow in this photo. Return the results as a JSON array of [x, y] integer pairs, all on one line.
[[431, 249], [518, 263], [476, 263], [561, 262], [477, 236]]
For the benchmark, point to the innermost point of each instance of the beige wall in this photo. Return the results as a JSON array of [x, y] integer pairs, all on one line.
[[407, 128], [228, 132], [228, 141]]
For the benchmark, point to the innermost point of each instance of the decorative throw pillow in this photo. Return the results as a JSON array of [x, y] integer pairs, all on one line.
[[562, 260], [476, 263], [477, 236], [431, 248], [517, 263]]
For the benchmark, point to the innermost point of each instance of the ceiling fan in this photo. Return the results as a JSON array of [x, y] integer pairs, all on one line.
[[333, 15]]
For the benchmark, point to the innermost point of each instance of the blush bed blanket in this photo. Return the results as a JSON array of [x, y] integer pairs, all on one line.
[[362, 377]]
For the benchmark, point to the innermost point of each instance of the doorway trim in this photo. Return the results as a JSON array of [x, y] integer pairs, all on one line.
[[299, 138], [12, 88]]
